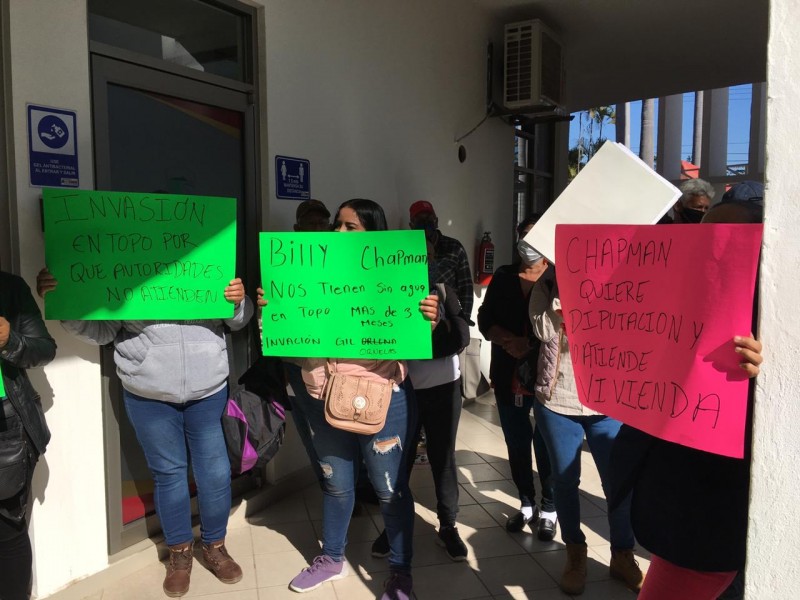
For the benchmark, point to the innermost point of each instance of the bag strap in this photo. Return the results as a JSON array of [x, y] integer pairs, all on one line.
[[233, 386], [330, 366]]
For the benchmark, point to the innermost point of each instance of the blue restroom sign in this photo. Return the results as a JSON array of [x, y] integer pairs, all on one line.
[[53, 147], [292, 178]]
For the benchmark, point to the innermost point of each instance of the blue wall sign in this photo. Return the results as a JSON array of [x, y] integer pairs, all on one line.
[[292, 178], [52, 142]]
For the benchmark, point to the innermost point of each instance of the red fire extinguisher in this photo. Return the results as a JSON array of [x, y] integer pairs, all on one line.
[[484, 261]]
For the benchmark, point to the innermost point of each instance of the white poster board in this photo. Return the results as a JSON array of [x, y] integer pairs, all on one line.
[[616, 188]]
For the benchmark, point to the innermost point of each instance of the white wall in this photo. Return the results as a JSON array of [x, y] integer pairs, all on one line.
[[374, 94], [49, 66], [773, 569]]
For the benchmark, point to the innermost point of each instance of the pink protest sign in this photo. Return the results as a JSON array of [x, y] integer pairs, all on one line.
[[650, 313]]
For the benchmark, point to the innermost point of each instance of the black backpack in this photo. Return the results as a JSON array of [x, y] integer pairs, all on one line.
[[254, 421]]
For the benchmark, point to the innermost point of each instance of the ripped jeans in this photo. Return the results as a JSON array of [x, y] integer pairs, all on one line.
[[340, 454]]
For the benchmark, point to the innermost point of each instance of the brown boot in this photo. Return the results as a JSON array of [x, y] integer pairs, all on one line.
[[573, 579], [624, 567], [179, 569], [220, 563]]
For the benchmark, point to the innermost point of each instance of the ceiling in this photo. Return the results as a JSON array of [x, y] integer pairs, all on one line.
[[619, 50]]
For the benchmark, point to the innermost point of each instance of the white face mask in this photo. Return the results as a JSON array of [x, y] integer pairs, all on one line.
[[527, 253]]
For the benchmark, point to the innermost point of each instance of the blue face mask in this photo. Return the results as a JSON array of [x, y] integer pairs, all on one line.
[[527, 253]]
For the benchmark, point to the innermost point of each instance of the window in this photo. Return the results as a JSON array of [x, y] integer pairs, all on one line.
[[207, 37]]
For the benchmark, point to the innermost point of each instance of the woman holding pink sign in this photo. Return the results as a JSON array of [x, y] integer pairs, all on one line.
[[698, 546]]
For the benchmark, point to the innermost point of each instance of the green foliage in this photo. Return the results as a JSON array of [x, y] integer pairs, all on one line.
[[589, 139]]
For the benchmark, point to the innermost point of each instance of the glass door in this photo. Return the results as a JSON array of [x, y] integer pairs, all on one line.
[[159, 132]]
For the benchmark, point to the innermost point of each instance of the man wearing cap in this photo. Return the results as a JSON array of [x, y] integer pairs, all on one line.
[[450, 264], [437, 381], [312, 215]]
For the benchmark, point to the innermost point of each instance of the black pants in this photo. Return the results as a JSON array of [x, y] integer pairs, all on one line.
[[15, 562], [520, 435], [16, 558], [439, 411]]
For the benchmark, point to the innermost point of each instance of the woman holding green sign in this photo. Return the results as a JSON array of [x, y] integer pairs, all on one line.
[[174, 377], [341, 444], [24, 343]]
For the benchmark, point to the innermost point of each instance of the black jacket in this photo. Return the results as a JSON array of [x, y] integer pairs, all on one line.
[[451, 336], [688, 507], [506, 306], [29, 345]]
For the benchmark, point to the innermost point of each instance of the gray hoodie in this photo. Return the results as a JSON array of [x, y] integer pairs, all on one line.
[[172, 361]]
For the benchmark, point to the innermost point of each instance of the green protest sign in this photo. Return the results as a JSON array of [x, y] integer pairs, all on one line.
[[119, 255], [2, 384], [332, 295]]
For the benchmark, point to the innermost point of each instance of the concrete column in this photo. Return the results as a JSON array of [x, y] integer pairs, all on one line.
[[772, 570], [670, 129], [715, 137], [697, 135]]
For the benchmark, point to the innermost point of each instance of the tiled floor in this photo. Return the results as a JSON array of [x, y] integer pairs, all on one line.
[[277, 543]]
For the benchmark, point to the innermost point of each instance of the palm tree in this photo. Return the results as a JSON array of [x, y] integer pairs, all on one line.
[[603, 113]]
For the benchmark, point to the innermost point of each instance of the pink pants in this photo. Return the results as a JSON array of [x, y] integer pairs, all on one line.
[[668, 581]]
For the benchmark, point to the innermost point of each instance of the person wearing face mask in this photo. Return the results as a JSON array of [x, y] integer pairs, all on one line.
[[695, 200], [564, 423], [503, 320], [449, 262]]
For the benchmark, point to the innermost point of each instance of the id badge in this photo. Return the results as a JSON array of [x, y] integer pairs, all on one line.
[[518, 400]]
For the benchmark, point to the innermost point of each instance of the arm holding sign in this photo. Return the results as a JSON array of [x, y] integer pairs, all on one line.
[[750, 350], [243, 308], [98, 333]]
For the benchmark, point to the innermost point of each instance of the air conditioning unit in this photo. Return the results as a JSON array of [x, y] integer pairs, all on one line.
[[533, 68]]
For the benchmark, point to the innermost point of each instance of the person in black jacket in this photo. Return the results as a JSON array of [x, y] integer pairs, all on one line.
[[697, 550], [24, 343], [503, 320]]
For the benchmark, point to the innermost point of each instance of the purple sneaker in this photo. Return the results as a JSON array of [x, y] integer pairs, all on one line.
[[397, 587], [323, 569]]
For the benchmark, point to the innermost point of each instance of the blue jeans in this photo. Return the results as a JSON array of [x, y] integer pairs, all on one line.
[[563, 435], [520, 435], [302, 404], [384, 453], [165, 431]]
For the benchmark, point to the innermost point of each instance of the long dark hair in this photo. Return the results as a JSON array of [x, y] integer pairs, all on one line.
[[369, 213]]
